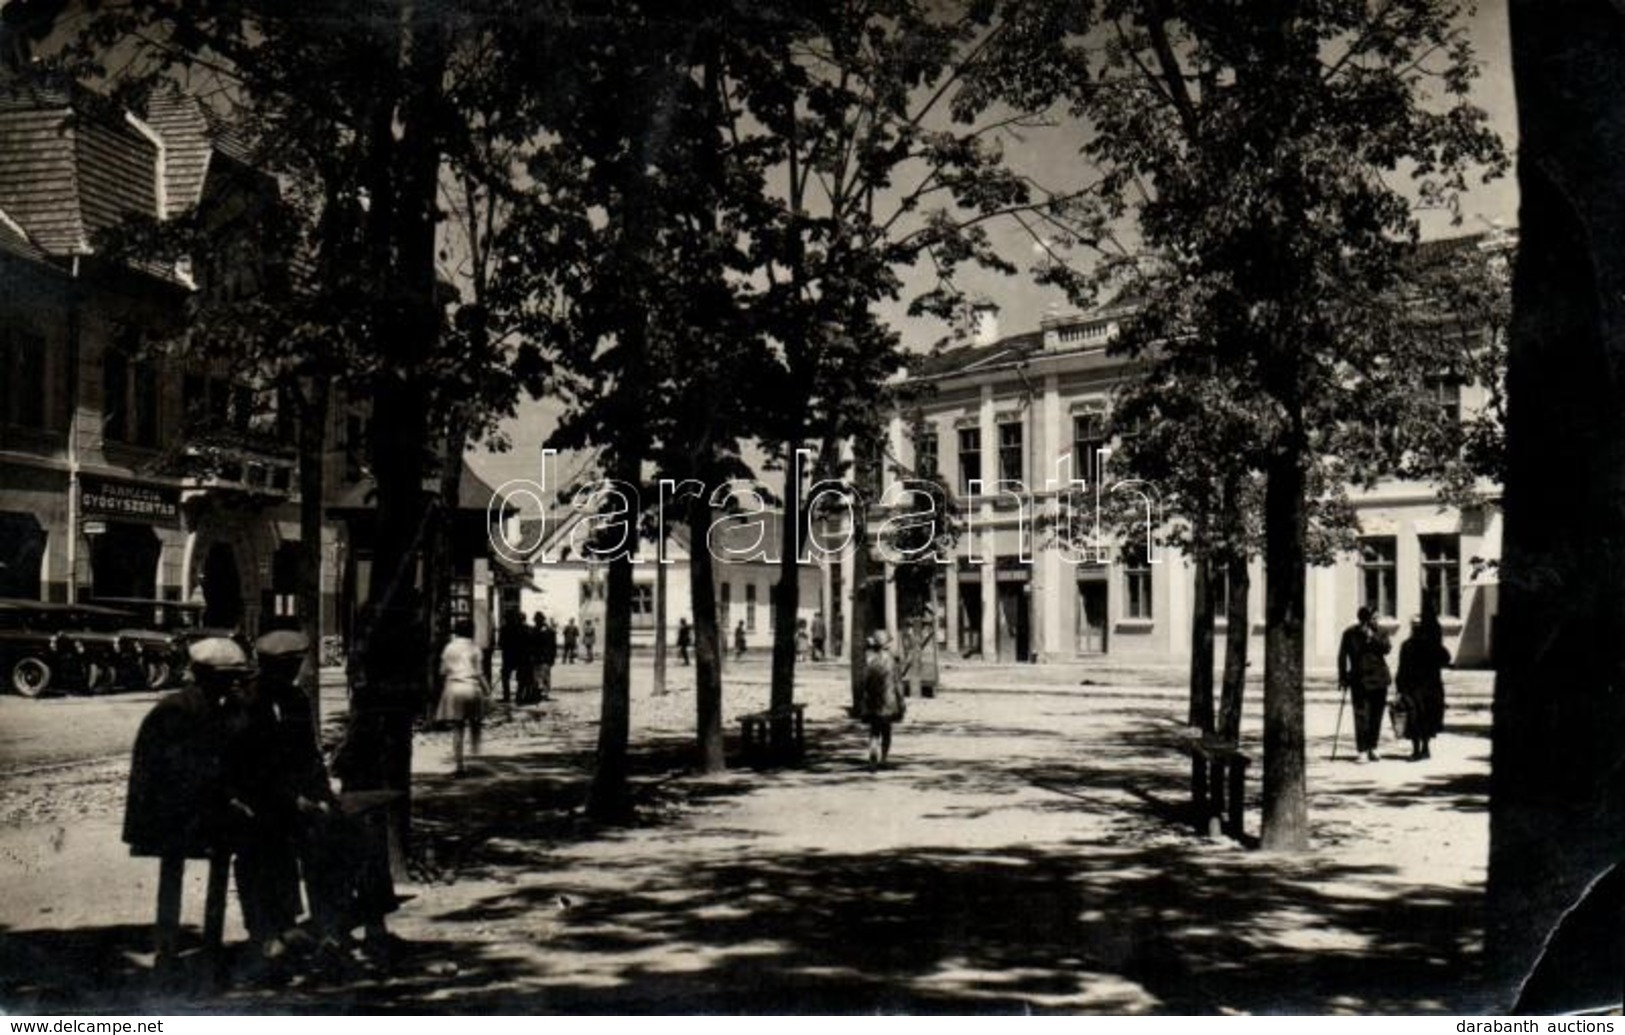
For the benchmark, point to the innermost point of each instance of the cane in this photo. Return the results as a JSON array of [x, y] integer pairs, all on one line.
[[1341, 703]]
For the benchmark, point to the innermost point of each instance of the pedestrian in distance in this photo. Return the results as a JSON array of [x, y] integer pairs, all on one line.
[[685, 638], [547, 655], [539, 678], [589, 639], [881, 703], [803, 640], [463, 692], [739, 640], [1420, 683], [818, 636], [514, 642], [571, 636], [1362, 667]]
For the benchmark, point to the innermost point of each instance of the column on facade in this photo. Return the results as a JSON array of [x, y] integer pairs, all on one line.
[[1407, 571], [1178, 576], [950, 573], [826, 587], [1321, 617], [850, 607], [987, 426], [895, 455], [1049, 573]]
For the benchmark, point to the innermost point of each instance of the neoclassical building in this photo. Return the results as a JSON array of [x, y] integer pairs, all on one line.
[[1032, 408]]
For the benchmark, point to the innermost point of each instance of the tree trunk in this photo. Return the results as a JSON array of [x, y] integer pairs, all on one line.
[[440, 568], [1237, 640], [707, 639], [312, 457], [787, 598], [1201, 704], [1557, 799], [404, 169], [1286, 805], [609, 800]]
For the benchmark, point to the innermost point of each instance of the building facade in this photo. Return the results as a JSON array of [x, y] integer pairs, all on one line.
[[1032, 410], [565, 586], [124, 474]]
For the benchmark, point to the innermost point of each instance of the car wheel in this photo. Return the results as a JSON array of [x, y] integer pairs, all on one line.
[[99, 678], [30, 676], [157, 675]]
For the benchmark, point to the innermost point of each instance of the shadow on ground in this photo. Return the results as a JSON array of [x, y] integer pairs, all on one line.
[[689, 915]]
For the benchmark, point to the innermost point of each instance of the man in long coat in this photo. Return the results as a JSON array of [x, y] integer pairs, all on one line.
[[180, 804]]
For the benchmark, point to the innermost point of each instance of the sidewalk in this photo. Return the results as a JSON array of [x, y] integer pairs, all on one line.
[[1027, 851]]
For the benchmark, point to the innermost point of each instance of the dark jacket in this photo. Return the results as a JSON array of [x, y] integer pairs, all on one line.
[[178, 794], [547, 646], [1362, 659], [515, 640], [1420, 682]]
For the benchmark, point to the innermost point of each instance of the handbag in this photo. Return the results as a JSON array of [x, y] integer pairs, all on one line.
[[1400, 714]]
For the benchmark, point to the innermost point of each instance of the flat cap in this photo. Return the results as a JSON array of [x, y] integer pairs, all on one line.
[[218, 653], [282, 643]]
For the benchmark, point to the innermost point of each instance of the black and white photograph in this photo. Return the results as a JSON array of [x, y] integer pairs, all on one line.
[[812, 507]]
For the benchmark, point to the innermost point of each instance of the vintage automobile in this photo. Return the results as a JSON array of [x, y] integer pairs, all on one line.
[[142, 657], [45, 646], [156, 634]]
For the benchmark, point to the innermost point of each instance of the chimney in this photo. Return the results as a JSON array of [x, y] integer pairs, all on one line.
[[985, 322]]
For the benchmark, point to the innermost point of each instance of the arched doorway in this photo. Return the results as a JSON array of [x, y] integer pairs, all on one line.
[[222, 588]]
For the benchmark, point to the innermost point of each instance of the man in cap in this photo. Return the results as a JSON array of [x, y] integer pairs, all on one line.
[[274, 759], [304, 818], [180, 800]]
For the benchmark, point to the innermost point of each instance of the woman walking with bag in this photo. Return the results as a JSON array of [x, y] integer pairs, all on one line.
[[1422, 660], [882, 702], [463, 692]]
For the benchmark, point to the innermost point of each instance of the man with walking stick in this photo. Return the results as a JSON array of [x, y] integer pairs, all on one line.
[[1362, 672]]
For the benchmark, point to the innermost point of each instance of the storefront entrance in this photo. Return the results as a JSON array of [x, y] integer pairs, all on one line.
[[1091, 616], [124, 561]]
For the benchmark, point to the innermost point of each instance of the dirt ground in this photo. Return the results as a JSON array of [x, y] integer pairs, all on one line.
[[1028, 850]]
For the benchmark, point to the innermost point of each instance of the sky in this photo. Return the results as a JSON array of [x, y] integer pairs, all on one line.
[[1050, 157]]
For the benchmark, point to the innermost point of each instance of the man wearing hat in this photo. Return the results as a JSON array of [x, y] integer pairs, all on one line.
[[302, 824], [345, 884], [275, 760], [180, 800]]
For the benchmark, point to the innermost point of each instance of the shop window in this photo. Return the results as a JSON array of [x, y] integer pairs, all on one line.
[[1136, 584], [1379, 575], [970, 459], [750, 607], [725, 606], [1441, 574], [22, 545]]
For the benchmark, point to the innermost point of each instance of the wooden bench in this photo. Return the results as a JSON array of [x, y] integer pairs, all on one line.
[[756, 732], [370, 808], [1218, 785]]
